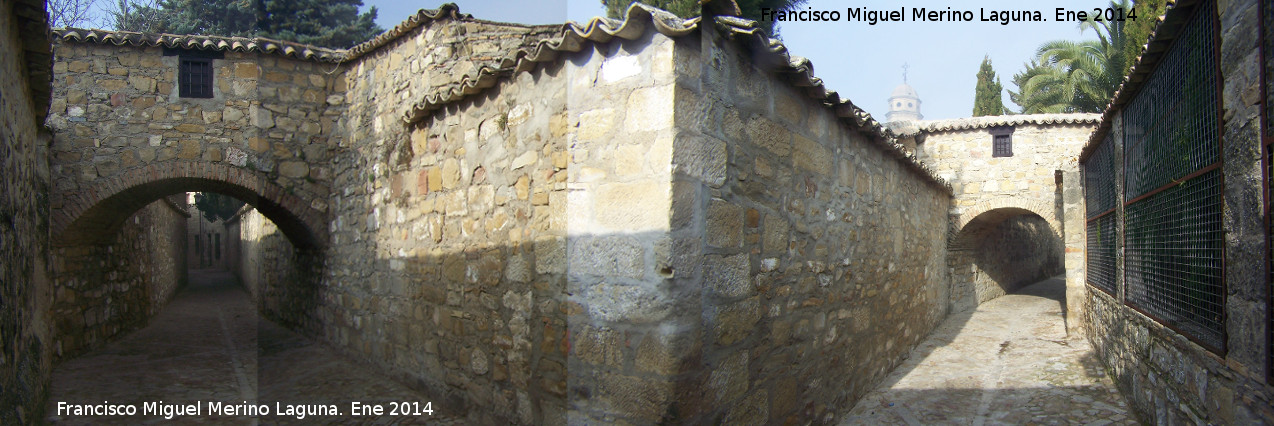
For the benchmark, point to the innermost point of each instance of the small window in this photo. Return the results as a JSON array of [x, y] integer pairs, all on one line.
[[899, 105], [909, 105], [195, 78], [194, 71], [1002, 142]]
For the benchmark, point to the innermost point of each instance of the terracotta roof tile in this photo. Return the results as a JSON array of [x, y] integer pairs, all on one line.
[[1006, 120], [201, 42]]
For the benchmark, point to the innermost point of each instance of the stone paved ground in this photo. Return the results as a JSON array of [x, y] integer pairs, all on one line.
[[210, 345], [1008, 362]]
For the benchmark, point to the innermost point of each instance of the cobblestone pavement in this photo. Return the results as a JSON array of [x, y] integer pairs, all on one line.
[[209, 346], [1007, 362]]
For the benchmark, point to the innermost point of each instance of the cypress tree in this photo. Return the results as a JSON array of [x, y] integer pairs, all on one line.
[[987, 100]]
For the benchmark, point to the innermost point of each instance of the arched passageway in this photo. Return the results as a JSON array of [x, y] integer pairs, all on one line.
[[1000, 250], [124, 255]]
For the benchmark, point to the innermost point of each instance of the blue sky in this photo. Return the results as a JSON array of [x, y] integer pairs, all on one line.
[[862, 62]]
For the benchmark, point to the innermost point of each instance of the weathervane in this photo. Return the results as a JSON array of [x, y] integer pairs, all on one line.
[[904, 72]]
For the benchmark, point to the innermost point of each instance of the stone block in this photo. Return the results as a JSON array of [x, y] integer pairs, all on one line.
[[550, 255], [598, 345], [735, 321], [729, 381], [595, 124], [775, 234], [644, 399], [724, 227], [633, 207], [728, 276], [649, 109], [618, 256], [294, 169], [770, 136], [450, 173], [811, 156], [189, 149]]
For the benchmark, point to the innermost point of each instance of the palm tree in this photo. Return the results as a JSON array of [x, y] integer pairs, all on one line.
[[1070, 76]]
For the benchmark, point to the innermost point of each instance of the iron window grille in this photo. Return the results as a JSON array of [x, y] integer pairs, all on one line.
[[194, 71], [1002, 142], [195, 78], [1173, 189]]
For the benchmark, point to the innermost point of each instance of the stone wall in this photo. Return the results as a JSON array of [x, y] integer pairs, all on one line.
[[1006, 198], [1167, 378], [24, 209], [103, 291], [120, 128], [447, 266], [814, 257], [266, 263]]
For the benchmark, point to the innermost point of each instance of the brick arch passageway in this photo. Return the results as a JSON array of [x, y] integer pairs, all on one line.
[[94, 214]]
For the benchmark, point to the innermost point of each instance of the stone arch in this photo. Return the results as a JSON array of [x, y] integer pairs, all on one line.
[[991, 212], [93, 214], [999, 246]]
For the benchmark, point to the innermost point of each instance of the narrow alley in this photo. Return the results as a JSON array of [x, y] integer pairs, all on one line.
[[209, 346], [1007, 362]]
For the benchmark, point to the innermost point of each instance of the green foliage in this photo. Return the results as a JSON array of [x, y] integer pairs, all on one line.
[[1075, 76], [216, 206], [988, 99], [326, 23], [690, 8], [1137, 32]]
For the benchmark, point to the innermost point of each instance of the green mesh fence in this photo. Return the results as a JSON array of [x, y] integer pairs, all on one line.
[[1101, 253], [1173, 236]]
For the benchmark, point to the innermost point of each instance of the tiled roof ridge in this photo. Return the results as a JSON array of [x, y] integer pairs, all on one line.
[[421, 17], [1140, 67], [201, 42], [638, 17], [1007, 120]]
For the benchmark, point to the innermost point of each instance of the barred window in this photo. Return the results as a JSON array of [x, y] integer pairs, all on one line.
[[1002, 142], [1173, 234], [194, 72], [195, 78]]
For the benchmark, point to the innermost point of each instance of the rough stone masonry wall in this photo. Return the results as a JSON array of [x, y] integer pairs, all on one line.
[[817, 260], [630, 327], [962, 155], [24, 207], [263, 259], [1166, 378], [102, 291], [447, 264], [116, 109]]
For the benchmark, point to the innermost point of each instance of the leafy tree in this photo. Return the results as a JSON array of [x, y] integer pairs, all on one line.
[[1071, 76], [689, 8], [326, 23], [330, 23], [216, 206], [988, 99], [1137, 32]]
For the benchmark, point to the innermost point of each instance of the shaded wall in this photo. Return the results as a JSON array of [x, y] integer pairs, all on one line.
[[24, 211], [447, 263], [104, 290], [1167, 378], [815, 256]]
